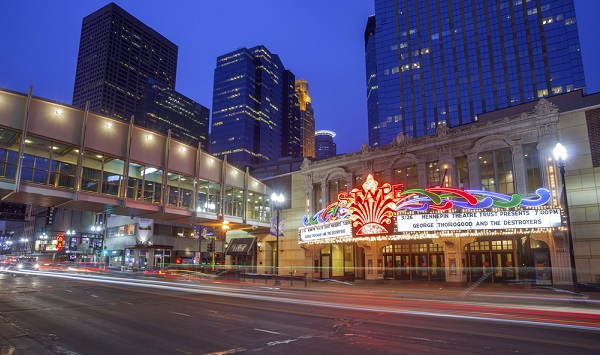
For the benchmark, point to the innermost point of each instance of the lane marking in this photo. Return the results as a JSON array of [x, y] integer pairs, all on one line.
[[131, 304], [267, 331], [181, 314], [94, 296]]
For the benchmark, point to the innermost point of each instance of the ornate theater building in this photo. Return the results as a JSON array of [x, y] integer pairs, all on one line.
[[475, 203]]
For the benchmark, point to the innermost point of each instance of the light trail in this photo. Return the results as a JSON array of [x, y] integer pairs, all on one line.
[[252, 295]]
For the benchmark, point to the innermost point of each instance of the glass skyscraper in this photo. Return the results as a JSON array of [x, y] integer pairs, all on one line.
[[325, 147], [444, 62], [162, 108], [252, 96]]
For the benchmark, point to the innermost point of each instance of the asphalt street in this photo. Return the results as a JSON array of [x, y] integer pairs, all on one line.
[[125, 313]]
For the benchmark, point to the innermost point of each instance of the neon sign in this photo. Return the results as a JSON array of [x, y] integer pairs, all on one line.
[[372, 209]]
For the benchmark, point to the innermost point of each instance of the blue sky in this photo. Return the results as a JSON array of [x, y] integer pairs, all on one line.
[[318, 40]]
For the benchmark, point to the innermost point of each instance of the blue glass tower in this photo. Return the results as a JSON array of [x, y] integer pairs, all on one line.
[[447, 61], [251, 88]]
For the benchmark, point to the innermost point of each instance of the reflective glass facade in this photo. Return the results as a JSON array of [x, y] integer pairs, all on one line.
[[162, 108], [251, 89], [324, 145], [448, 61]]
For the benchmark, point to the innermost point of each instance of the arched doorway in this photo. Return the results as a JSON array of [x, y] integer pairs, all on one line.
[[537, 267]]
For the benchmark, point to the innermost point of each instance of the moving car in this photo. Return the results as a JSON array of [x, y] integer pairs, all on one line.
[[20, 264]]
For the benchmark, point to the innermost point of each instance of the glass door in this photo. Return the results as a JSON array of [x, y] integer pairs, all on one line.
[[325, 267], [402, 267]]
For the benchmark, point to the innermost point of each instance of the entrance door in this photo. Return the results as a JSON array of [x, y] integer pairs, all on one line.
[[436, 262], [503, 266], [389, 267], [479, 266], [420, 267], [402, 267], [325, 267]]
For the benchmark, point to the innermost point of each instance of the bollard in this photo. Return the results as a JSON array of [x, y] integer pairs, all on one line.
[[306, 273]]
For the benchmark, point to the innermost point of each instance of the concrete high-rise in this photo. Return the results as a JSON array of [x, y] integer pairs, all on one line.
[[445, 62], [253, 103], [307, 118], [117, 55]]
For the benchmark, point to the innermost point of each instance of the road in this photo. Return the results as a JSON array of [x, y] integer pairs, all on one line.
[[70, 313]]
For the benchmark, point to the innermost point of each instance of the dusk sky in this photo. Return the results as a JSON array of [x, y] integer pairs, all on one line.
[[321, 41]]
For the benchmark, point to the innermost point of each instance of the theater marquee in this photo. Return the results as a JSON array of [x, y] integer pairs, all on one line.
[[461, 221], [369, 213]]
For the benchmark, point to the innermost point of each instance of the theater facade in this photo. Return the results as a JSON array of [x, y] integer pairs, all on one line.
[[474, 203]]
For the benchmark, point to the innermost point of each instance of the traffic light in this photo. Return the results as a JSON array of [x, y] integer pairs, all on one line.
[[50, 215]]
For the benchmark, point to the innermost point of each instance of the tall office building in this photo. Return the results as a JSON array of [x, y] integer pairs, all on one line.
[[307, 118], [445, 62], [253, 94], [291, 123], [117, 56], [372, 88], [162, 108], [324, 145]]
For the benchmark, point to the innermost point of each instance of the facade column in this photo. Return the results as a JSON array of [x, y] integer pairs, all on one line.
[[150, 259], [454, 257], [324, 195], [520, 172], [136, 259], [422, 173], [374, 259], [474, 175]]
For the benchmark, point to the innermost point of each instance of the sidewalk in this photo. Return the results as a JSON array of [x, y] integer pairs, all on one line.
[[507, 294]]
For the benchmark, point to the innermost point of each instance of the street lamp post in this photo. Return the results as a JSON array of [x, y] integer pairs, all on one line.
[[560, 153], [277, 205]]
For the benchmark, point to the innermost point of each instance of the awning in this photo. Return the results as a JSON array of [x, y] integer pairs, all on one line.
[[240, 246]]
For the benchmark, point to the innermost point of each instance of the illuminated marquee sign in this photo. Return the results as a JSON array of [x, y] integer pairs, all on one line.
[[371, 211], [330, 230], [488, 220], [60, 241]]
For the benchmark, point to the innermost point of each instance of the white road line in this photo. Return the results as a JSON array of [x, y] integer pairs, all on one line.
[[181, 314], [131, 304], [268, 331], [94, 296]]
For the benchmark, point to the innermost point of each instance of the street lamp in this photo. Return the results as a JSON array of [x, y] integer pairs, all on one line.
[[277, 205], [560, 153]]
